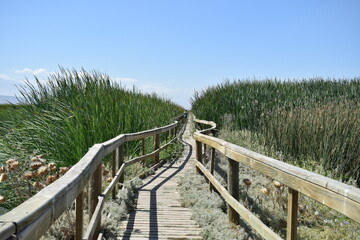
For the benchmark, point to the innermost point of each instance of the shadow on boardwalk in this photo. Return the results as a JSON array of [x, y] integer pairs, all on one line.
[[153, 205]]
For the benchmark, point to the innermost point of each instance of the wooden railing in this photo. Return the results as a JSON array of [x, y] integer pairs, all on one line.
[[334, 194], [34, 217]]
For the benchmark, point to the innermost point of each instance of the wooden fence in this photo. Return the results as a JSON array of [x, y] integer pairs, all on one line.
[[334, 194], [34, 217]]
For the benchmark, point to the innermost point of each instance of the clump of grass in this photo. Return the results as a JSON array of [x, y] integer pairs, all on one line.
[[7, 113], [247, 100], [313, 118], [73, 110], [327, 133], [65, 115]]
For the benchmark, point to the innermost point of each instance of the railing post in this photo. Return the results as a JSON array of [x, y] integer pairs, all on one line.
[[198, 154], [79, 216], [157, 145], [143, 146], [143, 163], [205, 159], [88, 197], [114, 168], [233, 188], [213, 132], [293, 201], [120, 156], [95, 191], [212, 166], [176, 130]]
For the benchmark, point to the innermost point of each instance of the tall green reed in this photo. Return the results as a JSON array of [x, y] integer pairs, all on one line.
[[326, 133], [248, 100], [73, 110], [313, 118]]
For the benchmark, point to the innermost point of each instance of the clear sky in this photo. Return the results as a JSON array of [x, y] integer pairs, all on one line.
[[174, 47]]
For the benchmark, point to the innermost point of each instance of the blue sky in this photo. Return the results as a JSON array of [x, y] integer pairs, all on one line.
[[176, 47]]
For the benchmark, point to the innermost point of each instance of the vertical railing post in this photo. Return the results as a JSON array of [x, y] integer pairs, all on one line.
[[157, 145], [293, 201], [233, 188], [113, 172], [79, 216], [213, 132], [95, 191], [198, 154], [205, 159], [143, 163], [120, 157], [143, 146], [212, 166], [88, 197]]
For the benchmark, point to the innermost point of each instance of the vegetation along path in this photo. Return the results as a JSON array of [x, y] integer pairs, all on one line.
[[159, 214]]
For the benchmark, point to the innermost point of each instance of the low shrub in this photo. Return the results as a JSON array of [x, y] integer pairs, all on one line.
[[20, 180], [113, 212], [209, 210]]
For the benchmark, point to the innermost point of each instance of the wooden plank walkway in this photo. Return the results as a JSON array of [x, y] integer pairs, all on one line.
[[159, 214]]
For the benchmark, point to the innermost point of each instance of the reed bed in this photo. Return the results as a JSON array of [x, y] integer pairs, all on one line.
[[61, 118], [73, 110], [326, 134], [313, 121]]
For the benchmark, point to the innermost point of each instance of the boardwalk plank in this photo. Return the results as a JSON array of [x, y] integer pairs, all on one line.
[[159, 213]]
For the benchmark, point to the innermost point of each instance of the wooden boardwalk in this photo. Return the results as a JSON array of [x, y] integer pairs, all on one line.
[[159, 214]]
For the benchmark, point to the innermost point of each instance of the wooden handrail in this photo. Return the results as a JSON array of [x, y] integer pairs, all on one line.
[[334, 194], [31, 219]]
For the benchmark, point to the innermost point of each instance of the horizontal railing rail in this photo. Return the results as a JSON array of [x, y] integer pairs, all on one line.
[[334, 194], [34, 217]]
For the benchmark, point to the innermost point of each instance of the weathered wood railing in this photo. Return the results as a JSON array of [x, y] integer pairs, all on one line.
[[334, 194], [34, 217]]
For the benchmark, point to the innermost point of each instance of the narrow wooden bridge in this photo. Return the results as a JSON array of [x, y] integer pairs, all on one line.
[[159, 214]]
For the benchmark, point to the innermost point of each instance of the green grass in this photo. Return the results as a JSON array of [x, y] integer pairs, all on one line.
[[316, 221], [328, 134], [248, 100], [67, 114], [315, 118], [7, 111], [73, 110]]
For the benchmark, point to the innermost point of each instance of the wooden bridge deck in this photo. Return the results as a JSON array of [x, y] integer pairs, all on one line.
[[159, 214]]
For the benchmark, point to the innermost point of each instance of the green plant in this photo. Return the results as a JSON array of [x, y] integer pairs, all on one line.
[[326, 133], [309, 119], [248, 100], [7, 113], [267, 198], [65, 115], [73, 110]]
